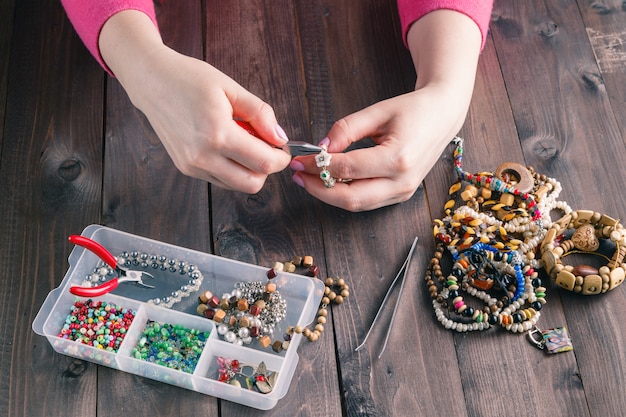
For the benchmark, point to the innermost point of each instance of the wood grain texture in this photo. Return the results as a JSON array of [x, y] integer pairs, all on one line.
[[604, 23], [51, 184], [146, 195], [572, 134], [74, 151], [6, 30]]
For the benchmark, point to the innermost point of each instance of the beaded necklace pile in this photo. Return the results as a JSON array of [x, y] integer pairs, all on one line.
[[493, 224]]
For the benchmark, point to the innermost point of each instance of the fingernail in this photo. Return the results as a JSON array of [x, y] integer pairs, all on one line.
[[296, 165], [324, 142], [298, 180], [281, 133]]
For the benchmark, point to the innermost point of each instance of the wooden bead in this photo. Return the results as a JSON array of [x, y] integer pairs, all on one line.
[[242, 304], [507, 199], [339, 299], [265, 341], [592, 284], [270, 287], [296, 260], [206, 296], [584, 238], [290, 267], [584, 270], [517, 174], [277, 346], [616, 277], [202, 308], [219, 316], [307, 261], [566, 280]]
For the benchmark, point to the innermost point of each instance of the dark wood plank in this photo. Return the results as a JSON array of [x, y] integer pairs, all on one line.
[[567, 128], [280, 221], [51, 181], [604, 22], [146, 195], [367, 249], [6, 31]]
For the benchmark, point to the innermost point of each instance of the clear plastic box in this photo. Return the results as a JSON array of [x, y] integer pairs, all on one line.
[[302, 295]]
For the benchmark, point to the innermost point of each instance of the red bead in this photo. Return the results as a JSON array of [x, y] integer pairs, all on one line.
[[255, 310], [214, 301], [272, 273]]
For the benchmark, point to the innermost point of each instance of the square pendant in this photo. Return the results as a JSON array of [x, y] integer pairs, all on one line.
[[557, 340]]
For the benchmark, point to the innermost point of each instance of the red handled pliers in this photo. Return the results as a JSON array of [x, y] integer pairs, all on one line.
[[123, 275]]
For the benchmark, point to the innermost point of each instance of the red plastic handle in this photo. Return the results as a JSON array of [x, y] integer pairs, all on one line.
[[96, 248], [248, 128], [95, 291]]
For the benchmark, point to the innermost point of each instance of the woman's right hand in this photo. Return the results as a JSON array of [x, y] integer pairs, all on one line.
[[192, 106]]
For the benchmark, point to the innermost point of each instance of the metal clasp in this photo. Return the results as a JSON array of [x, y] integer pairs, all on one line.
[[535, 335]]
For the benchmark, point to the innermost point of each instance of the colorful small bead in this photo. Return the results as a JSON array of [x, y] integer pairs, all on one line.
[[98, 324], [172, 346]]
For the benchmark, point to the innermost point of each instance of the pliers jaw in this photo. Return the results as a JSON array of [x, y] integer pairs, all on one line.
[[134, 276]]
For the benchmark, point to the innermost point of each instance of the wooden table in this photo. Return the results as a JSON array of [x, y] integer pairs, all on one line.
[[550, 93]]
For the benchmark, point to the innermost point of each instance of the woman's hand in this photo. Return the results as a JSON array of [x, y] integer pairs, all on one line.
[[411, 130], [191, 106]]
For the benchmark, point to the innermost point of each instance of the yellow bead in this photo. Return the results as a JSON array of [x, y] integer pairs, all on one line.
[[454, 188]]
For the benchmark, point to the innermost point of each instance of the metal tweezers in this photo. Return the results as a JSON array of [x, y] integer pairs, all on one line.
[[401, 273]]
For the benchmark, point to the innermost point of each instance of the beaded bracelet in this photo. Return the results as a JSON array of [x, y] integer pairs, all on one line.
[[588, 229], [480, 271], [192, 277]]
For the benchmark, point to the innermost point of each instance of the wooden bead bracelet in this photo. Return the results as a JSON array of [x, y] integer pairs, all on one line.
[[583, 231]]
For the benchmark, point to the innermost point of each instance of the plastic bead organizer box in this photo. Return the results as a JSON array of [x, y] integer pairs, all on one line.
[[302, 295]]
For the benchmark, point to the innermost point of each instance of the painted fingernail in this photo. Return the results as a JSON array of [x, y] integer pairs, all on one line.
[[281, 133], [296, 165], [324, 142], [298, 179]]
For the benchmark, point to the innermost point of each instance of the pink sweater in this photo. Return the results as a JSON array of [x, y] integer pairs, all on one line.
[[88, 16]]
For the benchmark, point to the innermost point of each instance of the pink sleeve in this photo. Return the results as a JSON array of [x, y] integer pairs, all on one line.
[[477, 10], [88, 17]]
